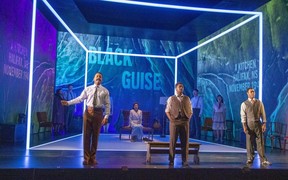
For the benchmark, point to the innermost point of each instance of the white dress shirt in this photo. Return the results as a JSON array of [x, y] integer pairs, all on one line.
[[197, 102], [87, 94]]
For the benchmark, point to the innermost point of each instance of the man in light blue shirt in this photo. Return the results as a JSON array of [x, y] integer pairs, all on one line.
[[195, 124]]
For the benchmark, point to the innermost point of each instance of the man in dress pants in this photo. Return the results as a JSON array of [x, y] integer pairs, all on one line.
[[195, 124], [251, 111], [179, 112], [96, 97]]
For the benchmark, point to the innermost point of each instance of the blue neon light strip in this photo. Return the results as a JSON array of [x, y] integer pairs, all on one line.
[[51, 142], [260, 92], [219, 35], [176, 75], [31, 74], [157, 5], [65, 25], [136, 55], [86, 76]]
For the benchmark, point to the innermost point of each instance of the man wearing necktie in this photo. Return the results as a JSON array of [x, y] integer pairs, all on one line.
[[179, 112], [97, 97], [69, 110], [252, 112]]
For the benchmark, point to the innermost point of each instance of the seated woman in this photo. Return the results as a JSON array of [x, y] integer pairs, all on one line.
[[135, 120]]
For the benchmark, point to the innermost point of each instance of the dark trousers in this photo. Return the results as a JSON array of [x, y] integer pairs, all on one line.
[[179, 128], [255, 133], [69, 116], [195, 124], [92, 126]]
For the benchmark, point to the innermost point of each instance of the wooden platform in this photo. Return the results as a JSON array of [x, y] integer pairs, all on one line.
[[163, 148]]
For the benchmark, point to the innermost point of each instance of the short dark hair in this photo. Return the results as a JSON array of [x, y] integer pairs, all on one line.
[[58, 90], [178, 84], [249, 89], [196, 90]]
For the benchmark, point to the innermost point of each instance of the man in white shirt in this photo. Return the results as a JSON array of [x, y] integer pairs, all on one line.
[[96, 97]]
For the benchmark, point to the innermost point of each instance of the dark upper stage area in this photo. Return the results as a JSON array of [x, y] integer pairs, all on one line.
[[134, 21]]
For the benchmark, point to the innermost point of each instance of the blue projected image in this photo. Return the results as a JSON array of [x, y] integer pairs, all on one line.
[[227, 67], [129, 79]]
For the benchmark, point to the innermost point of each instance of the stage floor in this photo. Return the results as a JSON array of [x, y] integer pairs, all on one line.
[[114, 153]]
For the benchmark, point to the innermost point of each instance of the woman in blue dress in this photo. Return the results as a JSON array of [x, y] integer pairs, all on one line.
[[135, 120]]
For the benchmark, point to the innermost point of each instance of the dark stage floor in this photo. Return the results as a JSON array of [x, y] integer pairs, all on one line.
[[18, 163]]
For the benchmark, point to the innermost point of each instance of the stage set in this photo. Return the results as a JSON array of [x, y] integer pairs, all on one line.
[[122, 159], [220, 47]]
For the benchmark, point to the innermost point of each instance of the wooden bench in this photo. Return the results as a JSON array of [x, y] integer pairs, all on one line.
[[163, 148]]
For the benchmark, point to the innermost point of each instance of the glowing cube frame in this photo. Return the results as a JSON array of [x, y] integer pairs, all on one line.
[[157, 5]]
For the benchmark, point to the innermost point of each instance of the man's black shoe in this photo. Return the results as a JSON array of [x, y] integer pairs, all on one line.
[[185, 164], [249, 161], [93, 162], [146, 139], [85, 162]]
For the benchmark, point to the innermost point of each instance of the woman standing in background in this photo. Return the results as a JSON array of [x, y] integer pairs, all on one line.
[[58, 117], [219, 118]]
